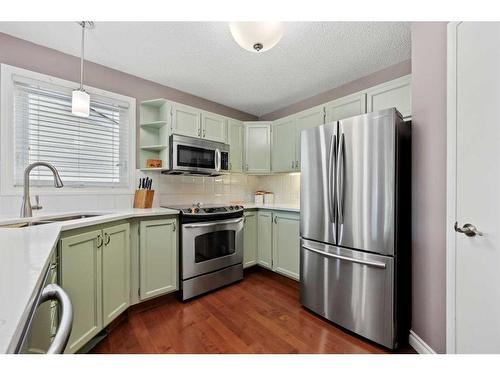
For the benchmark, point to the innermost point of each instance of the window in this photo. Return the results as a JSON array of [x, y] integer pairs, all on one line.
[[98, 151]]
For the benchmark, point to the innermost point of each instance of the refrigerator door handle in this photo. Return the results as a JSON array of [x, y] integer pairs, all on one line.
[[331, 177], [340, 183], [341, 257]]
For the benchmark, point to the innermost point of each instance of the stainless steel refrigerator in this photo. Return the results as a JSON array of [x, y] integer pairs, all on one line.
[[355, 224]]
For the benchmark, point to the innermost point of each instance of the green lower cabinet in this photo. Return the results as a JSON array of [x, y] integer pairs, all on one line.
[[80, 276], [250, 239], [115, 271], [158, 257], [286, 244], [265, 239]]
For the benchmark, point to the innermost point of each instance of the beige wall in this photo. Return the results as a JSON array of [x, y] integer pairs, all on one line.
[[384, 75], [428, 40]]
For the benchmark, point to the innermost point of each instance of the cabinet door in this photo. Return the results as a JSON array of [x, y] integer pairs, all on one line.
[[396, 93], [265, 239], [345, 107], [283, 151], [305, 120], [214, 127], [258, 147], [235, 138], [286, 244], [185, 120], [158, 257], [115, 271], [80, 259], [250, 239]]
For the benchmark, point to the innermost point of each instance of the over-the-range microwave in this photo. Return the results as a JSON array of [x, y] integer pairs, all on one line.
[[188, 155]]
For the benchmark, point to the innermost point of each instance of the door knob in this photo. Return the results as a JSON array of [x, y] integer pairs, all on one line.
[[469, 230]]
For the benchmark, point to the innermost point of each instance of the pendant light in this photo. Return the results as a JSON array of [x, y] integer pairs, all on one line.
[[256, 37], [80, 100]]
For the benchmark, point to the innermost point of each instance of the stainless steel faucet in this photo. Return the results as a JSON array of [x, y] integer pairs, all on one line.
[[26, 209]]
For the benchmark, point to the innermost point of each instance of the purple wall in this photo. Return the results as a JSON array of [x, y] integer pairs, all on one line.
[[384, 75], [27, 55], [429, 44]]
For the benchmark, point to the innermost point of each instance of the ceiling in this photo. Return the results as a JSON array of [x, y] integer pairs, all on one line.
[[201, 58]]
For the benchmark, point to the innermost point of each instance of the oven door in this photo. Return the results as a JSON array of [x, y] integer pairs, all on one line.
[[211, 246]]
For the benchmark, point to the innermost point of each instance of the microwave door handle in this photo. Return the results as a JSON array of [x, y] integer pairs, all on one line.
[[217, 160]]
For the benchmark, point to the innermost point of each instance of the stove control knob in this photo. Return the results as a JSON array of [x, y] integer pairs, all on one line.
[[231, 207]]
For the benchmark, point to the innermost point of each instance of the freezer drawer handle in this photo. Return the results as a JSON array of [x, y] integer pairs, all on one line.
[[365, 262], [51, 292]]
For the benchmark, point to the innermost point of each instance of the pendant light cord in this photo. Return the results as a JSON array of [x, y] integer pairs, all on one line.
[[81, 56]]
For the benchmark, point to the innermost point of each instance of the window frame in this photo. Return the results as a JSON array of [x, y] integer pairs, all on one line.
[[7, 135]]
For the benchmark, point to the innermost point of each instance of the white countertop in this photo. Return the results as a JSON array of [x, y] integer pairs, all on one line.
[[293, 207], [25, 254]]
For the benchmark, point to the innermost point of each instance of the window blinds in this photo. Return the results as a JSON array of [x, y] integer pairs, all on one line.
[[88, 152]]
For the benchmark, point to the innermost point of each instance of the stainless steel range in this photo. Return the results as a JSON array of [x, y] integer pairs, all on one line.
[[211, 247]]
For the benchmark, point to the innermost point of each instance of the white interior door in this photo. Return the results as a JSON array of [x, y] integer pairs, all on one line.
[[476, 64]]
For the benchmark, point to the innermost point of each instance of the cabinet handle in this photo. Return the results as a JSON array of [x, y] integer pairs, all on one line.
[[107, 239], [173, 227], [293, 164], [199, 132], [204, 132], [99, 240], [276, 220], [297, 164], [230, 166]]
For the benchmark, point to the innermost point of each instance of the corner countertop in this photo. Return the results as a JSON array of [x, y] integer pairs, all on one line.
[[25, 254], [293, 207]]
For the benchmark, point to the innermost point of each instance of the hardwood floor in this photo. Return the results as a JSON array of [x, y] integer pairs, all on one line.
[[260, 314]]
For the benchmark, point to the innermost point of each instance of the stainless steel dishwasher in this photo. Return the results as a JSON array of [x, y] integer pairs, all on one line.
[[49, 325]]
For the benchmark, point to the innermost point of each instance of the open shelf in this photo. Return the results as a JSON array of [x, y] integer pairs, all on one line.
[[153, 124], [153, 148], [154, 102], [154, 133]]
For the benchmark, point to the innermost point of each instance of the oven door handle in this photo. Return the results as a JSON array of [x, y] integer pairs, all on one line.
[[213, 223]]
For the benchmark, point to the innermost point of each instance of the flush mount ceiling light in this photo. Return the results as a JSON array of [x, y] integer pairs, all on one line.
[[256, 36], [80, 100]]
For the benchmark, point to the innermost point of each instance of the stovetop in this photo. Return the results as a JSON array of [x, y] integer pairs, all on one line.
[[199, 209]]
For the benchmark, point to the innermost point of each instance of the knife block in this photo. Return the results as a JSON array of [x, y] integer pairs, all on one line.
[[143, 198]]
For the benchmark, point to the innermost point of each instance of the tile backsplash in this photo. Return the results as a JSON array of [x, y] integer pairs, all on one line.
[[285, 186], [170, 189]]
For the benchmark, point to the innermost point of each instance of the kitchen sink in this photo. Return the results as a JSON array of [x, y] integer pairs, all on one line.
[[56, 219], [72, 217]]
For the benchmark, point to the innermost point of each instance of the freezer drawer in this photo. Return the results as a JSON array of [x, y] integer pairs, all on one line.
[[351, 288]]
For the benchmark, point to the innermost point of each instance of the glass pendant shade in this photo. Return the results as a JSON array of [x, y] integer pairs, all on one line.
[[257, 36], [80, 103]]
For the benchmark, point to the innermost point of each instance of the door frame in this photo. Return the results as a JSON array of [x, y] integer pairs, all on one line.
[[451, 187]]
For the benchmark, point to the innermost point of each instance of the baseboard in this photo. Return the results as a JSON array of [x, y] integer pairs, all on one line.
[[419, 345]]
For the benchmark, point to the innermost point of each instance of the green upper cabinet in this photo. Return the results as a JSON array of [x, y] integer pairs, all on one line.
[[158, 257], [250, 239], [265, 239], [115, 271], [80, 277], [396, 93], [258, 147], [348, 106], [283, 152], [286, 243], [305, 120], [214, 127], [235, 140], [185, 120]]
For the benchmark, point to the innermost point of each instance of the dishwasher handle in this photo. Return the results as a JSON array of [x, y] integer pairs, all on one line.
[[55, 292]]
